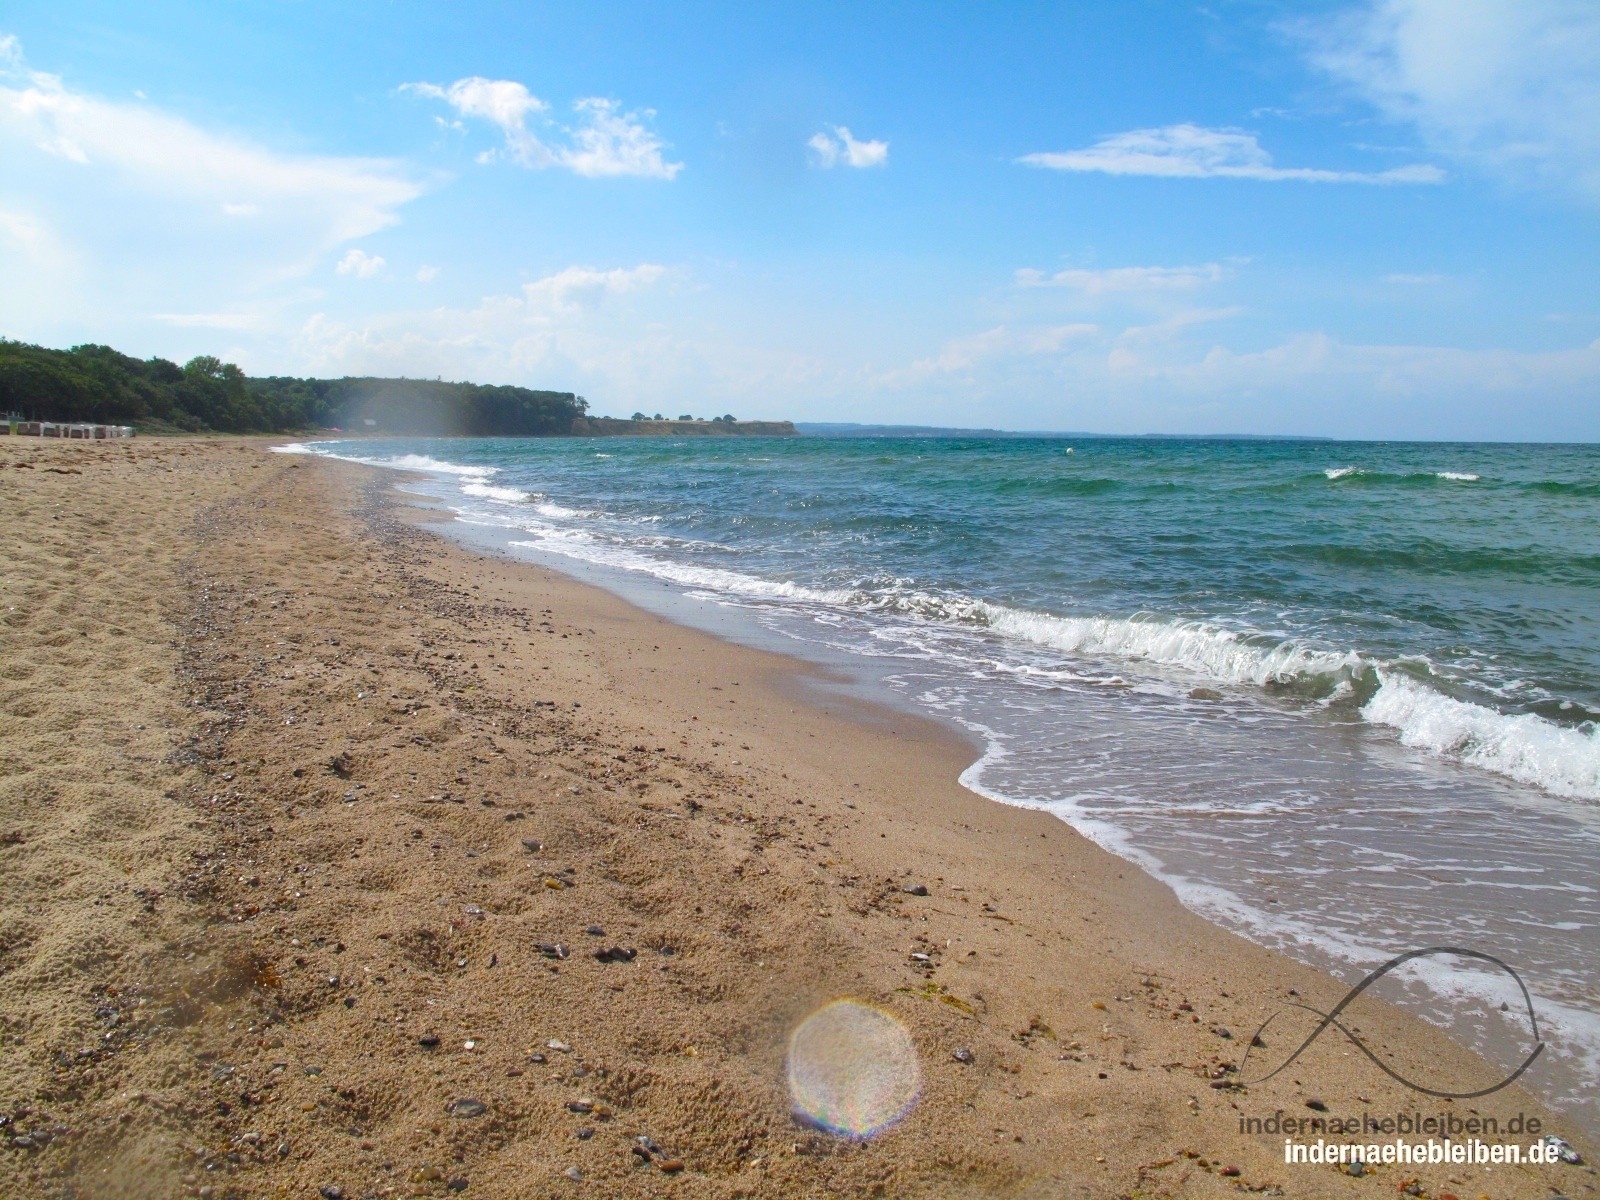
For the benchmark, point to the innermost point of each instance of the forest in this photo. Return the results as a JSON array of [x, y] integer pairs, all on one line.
[[97, 383]]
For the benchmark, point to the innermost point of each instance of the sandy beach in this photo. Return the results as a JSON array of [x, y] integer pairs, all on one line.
[[335, 859]]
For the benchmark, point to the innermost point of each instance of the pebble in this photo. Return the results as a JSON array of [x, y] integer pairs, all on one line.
[[536, 1057], [1317, 1105], [1563, 1149], [331, 1192], [915, 889], [426, 1174], [559, 1045], [616, 954], [573, 1174], [595, 931], [1230, 1172], [672, 1165], [467, 1107], [918, 956], [429, 1042], [532, 845], [584, 1134], [1204, 693], [1222, 1031], [458, 1184], [963, 1055], [580, 1106], [1358, 1168]]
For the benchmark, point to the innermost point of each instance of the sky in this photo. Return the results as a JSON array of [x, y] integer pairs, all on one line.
[[1368, 218]]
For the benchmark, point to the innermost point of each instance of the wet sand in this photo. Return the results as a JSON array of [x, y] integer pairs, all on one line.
[[306, 813]]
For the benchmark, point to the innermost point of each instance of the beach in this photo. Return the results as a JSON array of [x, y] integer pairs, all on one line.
[[340, 859]]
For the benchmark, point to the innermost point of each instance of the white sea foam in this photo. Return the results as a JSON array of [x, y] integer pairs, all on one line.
[[1342, 472], [1522, 746], [486, 491], [1458, 476], [1221, 654], [711, 579], [400, 462]]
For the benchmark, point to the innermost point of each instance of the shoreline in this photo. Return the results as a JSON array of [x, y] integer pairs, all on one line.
[[351, 679]]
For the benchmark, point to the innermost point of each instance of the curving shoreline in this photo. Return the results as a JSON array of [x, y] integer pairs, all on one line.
[[334, 678]]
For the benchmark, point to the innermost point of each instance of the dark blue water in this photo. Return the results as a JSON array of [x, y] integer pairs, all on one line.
[[1341, 695]]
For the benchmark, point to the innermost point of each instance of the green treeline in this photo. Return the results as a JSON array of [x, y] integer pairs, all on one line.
[[96, 383]]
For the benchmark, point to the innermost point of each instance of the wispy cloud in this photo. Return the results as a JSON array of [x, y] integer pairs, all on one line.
[[332, 199], [604, 140], [1116, 280], [1511, 87], [566, 290], [361, 264], [1196, 152], [841, 148]]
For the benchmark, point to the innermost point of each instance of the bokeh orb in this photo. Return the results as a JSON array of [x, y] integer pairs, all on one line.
[[853, 1069]]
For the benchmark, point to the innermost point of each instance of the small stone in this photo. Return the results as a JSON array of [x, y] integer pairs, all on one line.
[[672, 1165], [331, 1192], [428, 1042], [532, 845], [1316, 1105], [580, 1106], [536, 1057], [284, 1149], [458, 1184], [962, 1055], [23, 1143], [915, 889], [584, 1134], [472, 910], [1222, 1031], [918, 956], [595, 931], [573, 1174], [1230, 1172], [1564, 1150], [616, 954], [642, 1153], [558, 1045], [647, 1143], [1358, 1168], [426, 1174], [1204, 693], [467, 1107]]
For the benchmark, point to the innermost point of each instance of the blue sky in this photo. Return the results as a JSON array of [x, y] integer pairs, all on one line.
[[1363, 219]]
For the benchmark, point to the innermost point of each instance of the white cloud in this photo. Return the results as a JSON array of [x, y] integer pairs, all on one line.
[[330, 199], [1124, 279], [235, 322], [829, 150], [605, 141], [426, 274], [1511, 87], [1195, 152], [361, 264], [566, 290]]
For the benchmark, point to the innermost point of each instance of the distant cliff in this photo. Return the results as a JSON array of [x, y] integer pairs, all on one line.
[[648, 427]]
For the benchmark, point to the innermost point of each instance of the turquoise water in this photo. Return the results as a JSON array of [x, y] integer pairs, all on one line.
[[1341, 695]]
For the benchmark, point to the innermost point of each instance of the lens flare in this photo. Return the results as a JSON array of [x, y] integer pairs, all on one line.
[[853, 1069]]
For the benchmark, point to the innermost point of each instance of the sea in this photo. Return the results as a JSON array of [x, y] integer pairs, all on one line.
[[1341, 696]]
